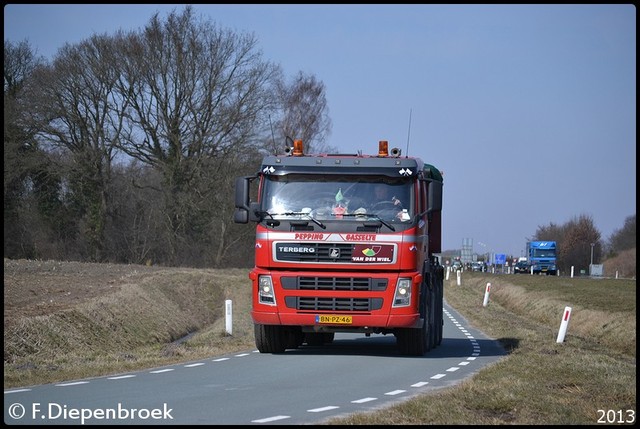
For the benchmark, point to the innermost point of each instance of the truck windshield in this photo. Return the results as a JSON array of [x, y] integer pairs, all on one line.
[[544, 253], [344, 198]]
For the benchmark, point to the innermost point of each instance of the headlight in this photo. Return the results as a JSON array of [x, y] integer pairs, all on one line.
[[402, 297], [265, 291]]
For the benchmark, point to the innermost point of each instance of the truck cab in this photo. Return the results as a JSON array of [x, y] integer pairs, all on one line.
[[331, 258], [542, 257]]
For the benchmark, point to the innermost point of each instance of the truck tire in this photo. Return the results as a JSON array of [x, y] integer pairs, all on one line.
[[412, 341], [270, 338], [432, 313], [439, 317], [439, 292], [417, 342]]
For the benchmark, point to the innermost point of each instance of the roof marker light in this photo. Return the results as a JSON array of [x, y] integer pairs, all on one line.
[[383, 148], [297, 148]]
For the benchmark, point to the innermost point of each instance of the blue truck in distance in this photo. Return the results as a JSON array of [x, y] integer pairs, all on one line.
[[542, 257]]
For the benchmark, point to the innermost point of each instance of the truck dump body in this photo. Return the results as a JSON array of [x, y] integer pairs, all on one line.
[[330, 257]]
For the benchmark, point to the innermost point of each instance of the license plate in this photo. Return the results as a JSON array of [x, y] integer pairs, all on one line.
[[334, 319]]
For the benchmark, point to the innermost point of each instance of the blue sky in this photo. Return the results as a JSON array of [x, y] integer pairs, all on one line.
[[529, 110]]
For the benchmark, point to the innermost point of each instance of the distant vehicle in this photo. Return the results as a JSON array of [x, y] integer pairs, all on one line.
[[477, 266], [456, 265], [522, 267], [542, 257]]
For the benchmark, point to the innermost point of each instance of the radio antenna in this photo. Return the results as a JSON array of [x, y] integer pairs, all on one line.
[[408, 133], [273, 137]]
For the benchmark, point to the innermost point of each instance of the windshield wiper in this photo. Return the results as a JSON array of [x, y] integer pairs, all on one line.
[[314, 220], [371, 216], [274, 222], [262, 214]]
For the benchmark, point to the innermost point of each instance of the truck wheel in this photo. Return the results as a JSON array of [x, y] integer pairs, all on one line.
[[270, 338], [440, 312], [439, 285], [414, 342], [432, 318], [417, 342]]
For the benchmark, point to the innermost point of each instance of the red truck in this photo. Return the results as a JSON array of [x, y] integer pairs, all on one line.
[[331, 258]]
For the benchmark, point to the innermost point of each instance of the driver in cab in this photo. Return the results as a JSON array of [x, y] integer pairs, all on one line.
[[382, 195], [383, 199]]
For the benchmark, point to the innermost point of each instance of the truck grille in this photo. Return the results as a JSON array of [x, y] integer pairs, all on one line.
[[343, 305], [338, 284], [351, 284]]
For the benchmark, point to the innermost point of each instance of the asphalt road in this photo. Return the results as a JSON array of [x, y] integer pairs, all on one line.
[[304, 386]]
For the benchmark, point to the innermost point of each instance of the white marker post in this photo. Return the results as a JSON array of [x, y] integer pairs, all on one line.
[[563, 325], [448, 271], [228, 316], [459, 276], [486, 295]]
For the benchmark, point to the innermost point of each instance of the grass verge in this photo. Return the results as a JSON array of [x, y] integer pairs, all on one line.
[[172, 316], [540, 381], [165, 317]]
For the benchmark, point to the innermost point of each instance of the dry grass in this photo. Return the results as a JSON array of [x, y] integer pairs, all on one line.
[[540, 381], [176, 315], [141, 324], [623, 265]]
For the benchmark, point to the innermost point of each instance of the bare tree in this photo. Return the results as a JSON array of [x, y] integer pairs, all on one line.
[[187, 106], [136, 234], [77, 110], [19, 62], [196, 93], [574, 240], [23, 158], [625, 237], [580, 234], [304, 114]]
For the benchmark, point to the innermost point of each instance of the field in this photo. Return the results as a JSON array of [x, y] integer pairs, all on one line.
[[68, 320]]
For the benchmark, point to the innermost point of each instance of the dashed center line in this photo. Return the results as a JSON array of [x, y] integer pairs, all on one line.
[[73, 383], [120, 377], [474, 355], [160, 371], [270, 419], [321, 409], [363, 400]]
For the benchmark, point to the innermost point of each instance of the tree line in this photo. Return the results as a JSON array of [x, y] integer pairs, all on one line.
[[574, 240], [124, 148]]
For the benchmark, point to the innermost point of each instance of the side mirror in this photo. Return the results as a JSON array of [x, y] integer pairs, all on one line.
[[241, 216], [434, 203], [242, 193]]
